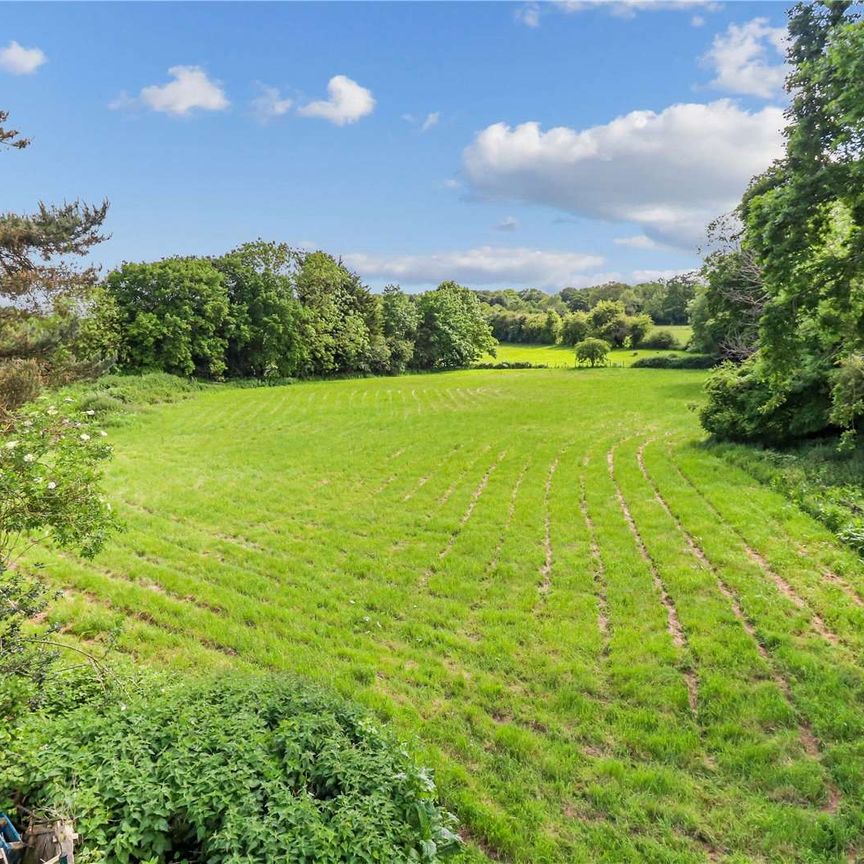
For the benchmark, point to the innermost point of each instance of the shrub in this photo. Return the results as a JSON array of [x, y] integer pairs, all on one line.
[[20, 382], [50, 472], [676, 361], [574, 328], [660, 340], [236, 769], [592, 351], [743, 406]]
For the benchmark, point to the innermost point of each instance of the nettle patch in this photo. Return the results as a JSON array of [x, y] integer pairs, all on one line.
[[232, 770]]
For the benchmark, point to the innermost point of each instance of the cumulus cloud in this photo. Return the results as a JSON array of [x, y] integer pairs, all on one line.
[[748, 58], [483, 265], [669, 172], [18, 60], [191, 89], [508, 224], [347, 102], [269, 104]]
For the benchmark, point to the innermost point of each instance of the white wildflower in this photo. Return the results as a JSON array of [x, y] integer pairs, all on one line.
[[90, 412], [52, 484], [103, 433], [29, 457], [11, 445], [84, 436]]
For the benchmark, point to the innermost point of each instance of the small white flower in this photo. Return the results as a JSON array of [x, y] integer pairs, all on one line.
[[11, 445], [84, 436], [28, 423], [29, 457], [103, 433], [52, 484], [52, 410], [68, 399]]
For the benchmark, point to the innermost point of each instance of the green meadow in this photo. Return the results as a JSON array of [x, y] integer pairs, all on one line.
[[611, 644]]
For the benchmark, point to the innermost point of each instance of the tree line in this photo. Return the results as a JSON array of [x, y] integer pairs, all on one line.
[[783, 284]]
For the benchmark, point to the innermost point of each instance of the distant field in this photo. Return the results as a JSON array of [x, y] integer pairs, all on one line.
[[559, 356], [683, 332], [612, 645]]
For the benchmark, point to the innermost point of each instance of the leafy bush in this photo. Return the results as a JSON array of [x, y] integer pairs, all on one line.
[[676, 361], [574, 328], [592, 351], [743, 406], [20, 382], [660, 340], [230, 770], [50, 472]]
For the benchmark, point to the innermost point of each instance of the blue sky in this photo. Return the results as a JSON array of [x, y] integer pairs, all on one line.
[[501, 144]]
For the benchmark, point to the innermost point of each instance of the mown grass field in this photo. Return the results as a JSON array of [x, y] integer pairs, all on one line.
[[611, 645], [563, 357]]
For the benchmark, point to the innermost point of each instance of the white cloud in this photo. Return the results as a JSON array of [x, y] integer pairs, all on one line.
[[697, 21], [431, 120], [508, 224], [452, 183], [670, 172], [630, 8], [639, 241], [483, 265], [269, 104], [748, 58], [654, 275], [190, 89], [347, 102], [18, 60], [529, 15]]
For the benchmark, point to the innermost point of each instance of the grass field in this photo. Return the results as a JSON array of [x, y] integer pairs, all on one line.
[[561, 356], [611, 645]]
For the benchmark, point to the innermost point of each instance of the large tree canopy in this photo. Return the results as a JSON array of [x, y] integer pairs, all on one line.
[[804, 226]]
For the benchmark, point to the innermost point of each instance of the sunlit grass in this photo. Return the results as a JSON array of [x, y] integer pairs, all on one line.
[[491, 561], [563, 357]]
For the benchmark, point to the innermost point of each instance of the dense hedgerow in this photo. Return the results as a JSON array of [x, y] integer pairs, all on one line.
[[676, 361], [511, 364], [229, 770], [661, 340]]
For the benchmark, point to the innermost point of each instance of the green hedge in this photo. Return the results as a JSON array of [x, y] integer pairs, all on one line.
[[249, 769], [676, 361]]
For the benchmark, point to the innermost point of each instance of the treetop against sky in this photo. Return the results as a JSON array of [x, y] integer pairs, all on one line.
[[499, 144]]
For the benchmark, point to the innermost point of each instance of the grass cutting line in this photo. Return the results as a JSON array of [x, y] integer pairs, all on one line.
[[676, 631], [598, 569], [779, 582], [545, 585], [809, 742]]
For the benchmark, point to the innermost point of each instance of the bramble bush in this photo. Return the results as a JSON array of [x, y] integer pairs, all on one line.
[[50, 470], [229, 770]]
